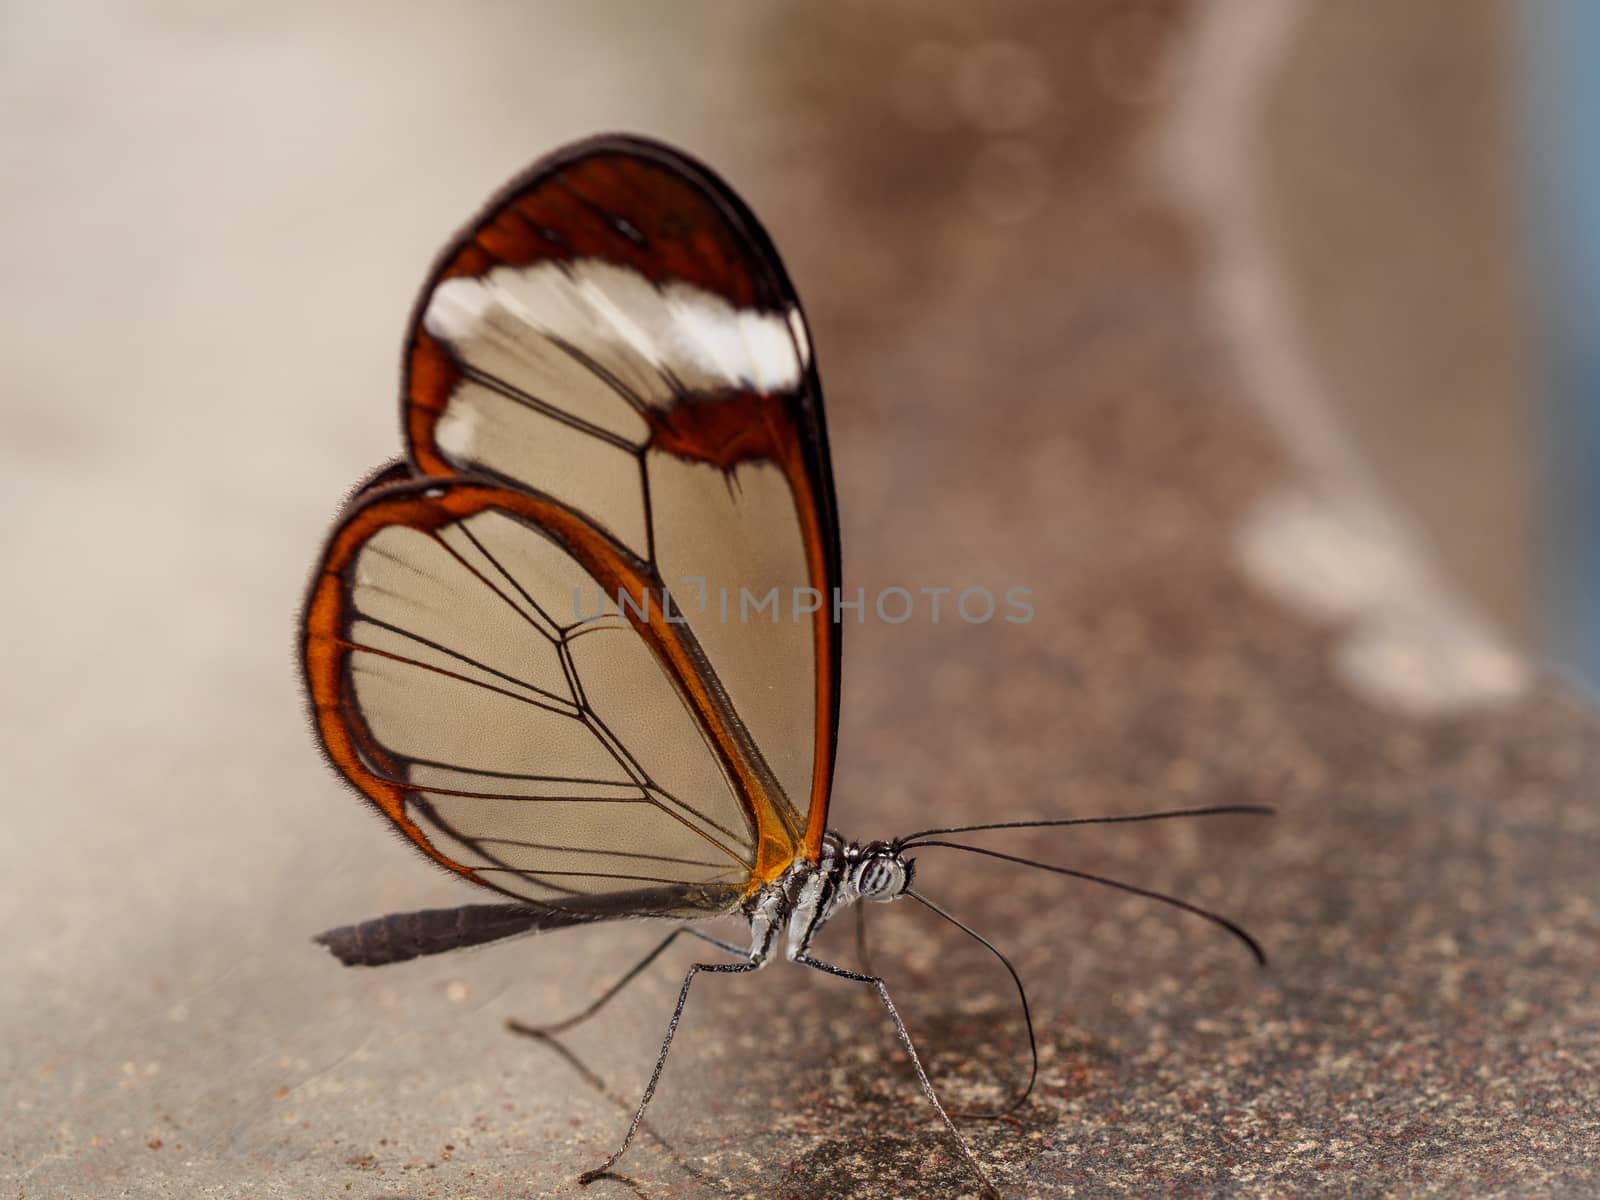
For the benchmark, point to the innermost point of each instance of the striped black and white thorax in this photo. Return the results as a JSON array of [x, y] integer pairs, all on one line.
[[811, 894]]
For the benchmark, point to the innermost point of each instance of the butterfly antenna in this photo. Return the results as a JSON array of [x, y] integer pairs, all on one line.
[[1218, 810], [1214, 918], [1027, 1015]]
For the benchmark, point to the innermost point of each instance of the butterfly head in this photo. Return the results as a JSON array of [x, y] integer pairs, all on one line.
[[878, 871]]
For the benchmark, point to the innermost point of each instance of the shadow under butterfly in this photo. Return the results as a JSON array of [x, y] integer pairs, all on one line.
[[579, 645]]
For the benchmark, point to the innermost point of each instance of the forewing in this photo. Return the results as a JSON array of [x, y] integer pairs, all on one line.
[[616, 332], [556, 756]]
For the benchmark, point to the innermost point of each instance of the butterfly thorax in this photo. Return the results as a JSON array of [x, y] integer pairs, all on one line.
[[809, 894]]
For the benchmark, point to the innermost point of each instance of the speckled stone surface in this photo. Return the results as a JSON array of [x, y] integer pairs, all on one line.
[[1025, 396]]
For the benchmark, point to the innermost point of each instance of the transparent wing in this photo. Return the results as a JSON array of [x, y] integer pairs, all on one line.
[[556, 755], [616, 332]]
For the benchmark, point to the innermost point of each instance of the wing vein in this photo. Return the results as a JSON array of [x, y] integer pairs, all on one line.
[[666, 858], [628, 763], [486, 772], [467, 533], [537, 876], [511, 392], [468, 659], [456, 675]]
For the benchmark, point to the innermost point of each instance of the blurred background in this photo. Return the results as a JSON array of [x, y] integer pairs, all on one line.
[[1033, 239], [1411, 189]]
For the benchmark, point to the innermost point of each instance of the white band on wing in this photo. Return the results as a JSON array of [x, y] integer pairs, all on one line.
[[655, 341]]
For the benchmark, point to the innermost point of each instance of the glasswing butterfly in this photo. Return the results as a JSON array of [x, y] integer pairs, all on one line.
[[611, 414]]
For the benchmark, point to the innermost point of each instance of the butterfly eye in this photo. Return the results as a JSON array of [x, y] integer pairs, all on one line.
[[881, 877]]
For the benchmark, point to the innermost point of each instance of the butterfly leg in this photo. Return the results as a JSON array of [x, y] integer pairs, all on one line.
[[916, 1062], [605, 997], [661, 1059]]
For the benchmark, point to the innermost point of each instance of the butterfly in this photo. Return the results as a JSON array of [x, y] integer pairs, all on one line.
[[581, 644]]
